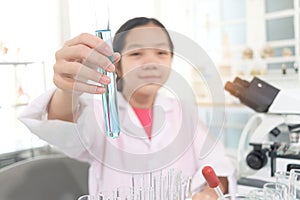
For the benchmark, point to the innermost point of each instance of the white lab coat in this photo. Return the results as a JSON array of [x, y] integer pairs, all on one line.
[[177, 142]]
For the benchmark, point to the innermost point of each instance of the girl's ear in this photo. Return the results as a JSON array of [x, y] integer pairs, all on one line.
[[119, 76], [118, 69]]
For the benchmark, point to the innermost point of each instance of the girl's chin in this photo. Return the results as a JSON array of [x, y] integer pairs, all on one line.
[[148, 89]]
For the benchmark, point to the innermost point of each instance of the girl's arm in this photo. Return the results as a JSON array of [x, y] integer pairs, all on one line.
[[77, 63]]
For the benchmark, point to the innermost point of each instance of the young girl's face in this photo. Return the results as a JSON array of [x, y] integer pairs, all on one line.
[[146, 60]]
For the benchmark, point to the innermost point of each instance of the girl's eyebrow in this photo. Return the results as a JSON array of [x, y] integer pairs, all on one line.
[[133, 46]]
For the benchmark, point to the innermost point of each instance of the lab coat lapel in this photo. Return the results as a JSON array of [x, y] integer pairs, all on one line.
[[130, 123]]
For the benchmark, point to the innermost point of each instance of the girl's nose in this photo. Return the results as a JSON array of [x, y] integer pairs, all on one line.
[[149, 66], [150, 58]]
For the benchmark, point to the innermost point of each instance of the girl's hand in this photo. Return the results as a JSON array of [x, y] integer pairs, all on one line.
[[205, 195], [77, 62], [209, 193]]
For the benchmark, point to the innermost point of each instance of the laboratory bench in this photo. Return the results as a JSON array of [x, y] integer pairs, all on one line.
[[9, 158]]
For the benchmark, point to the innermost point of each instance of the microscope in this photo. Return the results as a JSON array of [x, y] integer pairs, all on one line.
[[270, 140]]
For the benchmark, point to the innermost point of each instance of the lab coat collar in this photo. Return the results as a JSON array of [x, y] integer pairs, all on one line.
[[130, 122]]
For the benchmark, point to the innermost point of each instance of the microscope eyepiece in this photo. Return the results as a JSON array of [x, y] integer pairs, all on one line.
[[241, 82], [232, 89], [256, 94]]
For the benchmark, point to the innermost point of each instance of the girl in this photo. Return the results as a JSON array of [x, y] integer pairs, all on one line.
[[158, 132]]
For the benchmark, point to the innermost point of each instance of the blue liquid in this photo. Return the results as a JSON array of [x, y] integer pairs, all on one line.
[[109, 98]]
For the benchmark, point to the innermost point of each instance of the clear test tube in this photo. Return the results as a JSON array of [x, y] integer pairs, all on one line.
[[109, 98]]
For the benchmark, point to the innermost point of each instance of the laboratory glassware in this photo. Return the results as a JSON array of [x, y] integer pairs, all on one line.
[[109, 98]]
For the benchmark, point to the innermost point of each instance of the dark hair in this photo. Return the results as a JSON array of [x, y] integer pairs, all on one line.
[[120, 37]]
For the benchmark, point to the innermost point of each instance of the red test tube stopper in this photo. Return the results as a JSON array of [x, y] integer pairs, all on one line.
[[212, 179]]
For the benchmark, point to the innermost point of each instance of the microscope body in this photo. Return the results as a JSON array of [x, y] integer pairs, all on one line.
[[265, 139], [270, 140]]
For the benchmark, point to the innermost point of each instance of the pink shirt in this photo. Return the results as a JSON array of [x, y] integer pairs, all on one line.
[[145, 116]]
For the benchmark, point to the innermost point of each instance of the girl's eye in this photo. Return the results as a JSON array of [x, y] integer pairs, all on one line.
[[162, 52], [135, 54]]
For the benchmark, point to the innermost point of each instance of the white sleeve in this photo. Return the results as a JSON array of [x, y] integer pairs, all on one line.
[[61, 134]]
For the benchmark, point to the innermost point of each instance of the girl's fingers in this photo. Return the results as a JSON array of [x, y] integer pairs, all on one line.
[[94, 66], [91, 41], [80, 72], [78, 62], [88, 88], [72, 85], [84, 54]]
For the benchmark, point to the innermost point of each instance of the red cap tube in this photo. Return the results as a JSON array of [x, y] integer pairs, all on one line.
[[210, 177]]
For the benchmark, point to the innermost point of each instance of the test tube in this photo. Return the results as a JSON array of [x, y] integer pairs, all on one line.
[[109, 98], [212, 180], [188, 195]]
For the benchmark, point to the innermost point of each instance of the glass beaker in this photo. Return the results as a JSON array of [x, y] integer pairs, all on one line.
[[282, 177], [259, 194], [275, 191], [295, 184]]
